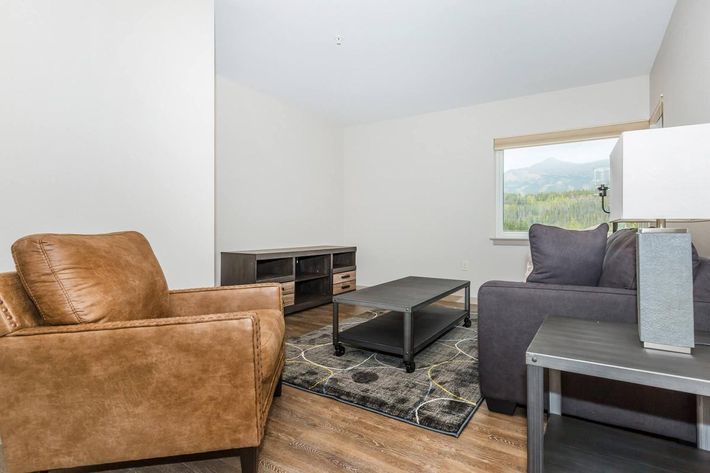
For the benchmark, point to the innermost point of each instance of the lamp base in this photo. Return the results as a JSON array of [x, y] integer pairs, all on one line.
[[660, 346], [665, 289]]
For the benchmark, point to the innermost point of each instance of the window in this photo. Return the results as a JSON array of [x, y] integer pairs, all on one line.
[[553, 179]]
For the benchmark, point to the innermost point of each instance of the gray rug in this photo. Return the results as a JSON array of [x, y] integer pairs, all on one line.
[[441, 395]]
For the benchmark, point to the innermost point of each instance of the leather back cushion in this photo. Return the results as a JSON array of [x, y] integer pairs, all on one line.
[[567, 256], [92, 278], [16, 309]]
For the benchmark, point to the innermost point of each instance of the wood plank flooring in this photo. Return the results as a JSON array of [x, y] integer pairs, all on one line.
[[311, 434]]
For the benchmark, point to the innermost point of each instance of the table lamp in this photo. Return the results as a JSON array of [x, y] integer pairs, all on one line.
[[663, 175]]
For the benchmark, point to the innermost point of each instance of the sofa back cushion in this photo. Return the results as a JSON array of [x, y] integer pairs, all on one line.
[[91, 278], [619, 269], [701, 286], [571, 257]]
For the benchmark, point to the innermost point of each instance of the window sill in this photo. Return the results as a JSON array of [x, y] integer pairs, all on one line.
[[510, 241]]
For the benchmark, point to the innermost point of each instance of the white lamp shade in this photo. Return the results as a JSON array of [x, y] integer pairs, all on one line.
[[661, 173]]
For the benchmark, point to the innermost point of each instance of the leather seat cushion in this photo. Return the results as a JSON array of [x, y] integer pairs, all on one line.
[[91, 278]]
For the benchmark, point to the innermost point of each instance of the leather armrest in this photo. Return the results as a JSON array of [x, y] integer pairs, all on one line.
[[216, 300], [105, 388]]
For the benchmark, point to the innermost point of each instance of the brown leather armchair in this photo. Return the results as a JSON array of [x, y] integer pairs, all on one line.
[[100, 363]]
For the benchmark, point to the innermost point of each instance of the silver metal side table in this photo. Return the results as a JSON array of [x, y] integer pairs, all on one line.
[[611, 351]]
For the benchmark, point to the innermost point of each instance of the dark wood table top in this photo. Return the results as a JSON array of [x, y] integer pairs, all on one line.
[[404, 294]]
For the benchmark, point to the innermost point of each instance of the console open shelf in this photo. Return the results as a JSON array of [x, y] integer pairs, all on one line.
[[309, 276], [343, 261], [279, 270]]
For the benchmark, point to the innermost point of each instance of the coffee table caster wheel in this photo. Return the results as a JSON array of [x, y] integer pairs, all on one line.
[[410, 367], [339, 350], [467, 322]]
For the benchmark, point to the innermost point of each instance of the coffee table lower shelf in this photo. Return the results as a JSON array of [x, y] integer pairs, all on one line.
[[385, 333], [585, 447]]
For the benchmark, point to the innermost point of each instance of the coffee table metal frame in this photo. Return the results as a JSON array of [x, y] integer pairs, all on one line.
[[413, 322]]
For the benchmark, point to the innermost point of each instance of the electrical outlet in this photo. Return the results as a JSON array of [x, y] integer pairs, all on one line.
[[464, 265]]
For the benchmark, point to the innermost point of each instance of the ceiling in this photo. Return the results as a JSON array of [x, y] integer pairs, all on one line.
[[403, 57]]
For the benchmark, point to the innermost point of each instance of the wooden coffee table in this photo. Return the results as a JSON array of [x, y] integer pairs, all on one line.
[[412, 322]]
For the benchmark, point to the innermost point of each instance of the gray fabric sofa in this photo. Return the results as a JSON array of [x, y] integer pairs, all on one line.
[[509, 315]]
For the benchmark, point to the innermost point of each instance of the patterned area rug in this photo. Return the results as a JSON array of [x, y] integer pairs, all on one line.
[[441, 395]]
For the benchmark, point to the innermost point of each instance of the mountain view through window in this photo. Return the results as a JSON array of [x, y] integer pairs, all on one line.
[[555, 184]]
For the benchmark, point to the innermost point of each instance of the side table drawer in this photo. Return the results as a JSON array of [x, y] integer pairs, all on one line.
[[346, 286], [288, 299], [344, 277]]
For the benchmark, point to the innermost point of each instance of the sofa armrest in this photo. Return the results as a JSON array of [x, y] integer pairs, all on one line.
[[216, 300], [510, 313], [108, 392]]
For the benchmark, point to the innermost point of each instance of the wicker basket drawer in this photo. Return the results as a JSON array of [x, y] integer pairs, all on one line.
[[342, 287]]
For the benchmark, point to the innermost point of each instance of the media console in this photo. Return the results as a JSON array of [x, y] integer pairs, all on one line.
[[309, 276]]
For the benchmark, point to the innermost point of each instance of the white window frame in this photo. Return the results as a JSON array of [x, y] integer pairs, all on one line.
[[500, 233], [568, 136]]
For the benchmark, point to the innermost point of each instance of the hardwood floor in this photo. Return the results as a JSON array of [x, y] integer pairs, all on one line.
[[311, 434]]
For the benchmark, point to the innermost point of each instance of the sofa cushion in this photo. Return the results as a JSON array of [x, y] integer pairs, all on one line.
[[696, 260], [701, 286], [619, 268], [91, 278], [567, 256]]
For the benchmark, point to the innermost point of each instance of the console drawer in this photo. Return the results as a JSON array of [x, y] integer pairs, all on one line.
[[342, 287], [343, 277], [288, 299], [287, 287]]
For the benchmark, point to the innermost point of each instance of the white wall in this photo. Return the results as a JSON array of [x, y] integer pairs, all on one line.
[[681, 73], [420, 191], [107, 123], [279, 173]]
